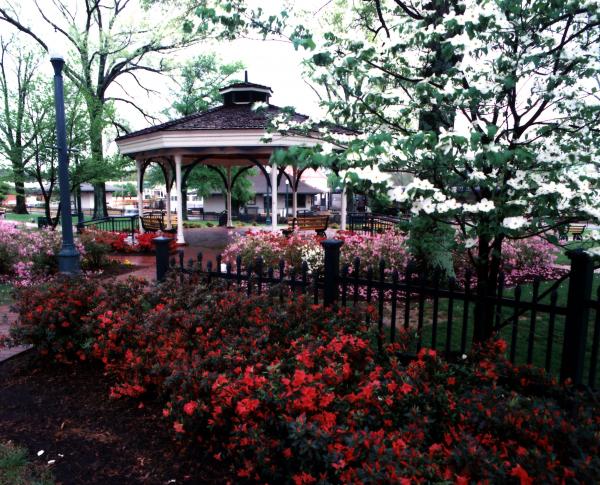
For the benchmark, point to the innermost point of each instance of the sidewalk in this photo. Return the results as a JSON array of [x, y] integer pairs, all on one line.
[[7, 318]]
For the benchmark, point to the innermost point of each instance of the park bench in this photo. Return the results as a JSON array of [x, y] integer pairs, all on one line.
[[156, 221], [576, 230], [307, 223]]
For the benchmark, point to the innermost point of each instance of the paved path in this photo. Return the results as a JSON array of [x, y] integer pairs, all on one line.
[[7, 318], [209, 241]]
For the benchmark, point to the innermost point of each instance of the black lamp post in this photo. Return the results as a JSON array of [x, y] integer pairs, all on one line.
[[68, 257]]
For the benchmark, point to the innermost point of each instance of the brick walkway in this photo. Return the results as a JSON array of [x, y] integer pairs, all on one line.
[[7, 318], [209, 241]]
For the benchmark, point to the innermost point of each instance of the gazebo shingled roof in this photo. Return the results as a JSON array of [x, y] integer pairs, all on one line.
[[227, 135], [236, 117]]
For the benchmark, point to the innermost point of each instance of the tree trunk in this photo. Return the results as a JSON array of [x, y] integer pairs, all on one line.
[[489, 264], [47, 209], [57, 221], [100, 208], [482, 325], [19, 180], [95, 135]]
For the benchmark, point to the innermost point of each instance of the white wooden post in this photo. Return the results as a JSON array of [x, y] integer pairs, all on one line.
[[168, 207], [274, 195], [294, 193], [229, 211], [344, 210], [180, 238], [140, 194]]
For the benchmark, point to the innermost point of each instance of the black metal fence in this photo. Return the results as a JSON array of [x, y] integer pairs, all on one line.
[[370, 223], [126, 224], [543, 325]]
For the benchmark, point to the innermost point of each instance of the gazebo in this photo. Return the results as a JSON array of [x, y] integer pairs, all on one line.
[[230, 135]]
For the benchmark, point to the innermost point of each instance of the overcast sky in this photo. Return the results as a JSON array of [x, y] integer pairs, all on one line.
[[271, 62]]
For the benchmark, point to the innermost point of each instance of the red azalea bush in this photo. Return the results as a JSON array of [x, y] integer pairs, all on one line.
[[99, 243], [52, 317], [296, 393]]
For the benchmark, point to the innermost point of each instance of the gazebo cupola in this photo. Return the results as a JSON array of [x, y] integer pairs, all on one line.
[[245, 93]]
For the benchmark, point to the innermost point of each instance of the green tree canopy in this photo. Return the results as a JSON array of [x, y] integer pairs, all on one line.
[[199, 81]]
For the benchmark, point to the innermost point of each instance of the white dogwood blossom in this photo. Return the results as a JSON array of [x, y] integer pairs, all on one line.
[[514, 222]]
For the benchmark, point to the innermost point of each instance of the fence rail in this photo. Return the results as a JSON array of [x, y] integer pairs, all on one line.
[[370, 223], [543, 329], [126, 224]]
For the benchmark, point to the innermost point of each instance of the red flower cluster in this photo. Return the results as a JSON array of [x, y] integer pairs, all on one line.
[[119, 241], [295, 393]]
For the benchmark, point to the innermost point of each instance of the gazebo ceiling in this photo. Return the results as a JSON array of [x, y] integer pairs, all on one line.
[[226, 134]]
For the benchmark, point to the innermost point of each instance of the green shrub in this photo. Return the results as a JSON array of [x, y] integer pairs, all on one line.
[[16, 469]]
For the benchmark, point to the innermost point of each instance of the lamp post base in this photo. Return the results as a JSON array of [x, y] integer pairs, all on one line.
[[68, 261]]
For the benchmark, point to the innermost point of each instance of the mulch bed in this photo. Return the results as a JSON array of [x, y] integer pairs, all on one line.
[[66, 410]]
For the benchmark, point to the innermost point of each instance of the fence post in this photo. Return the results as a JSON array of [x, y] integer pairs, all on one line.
[[576, 321], [161, 245], [331, 270]]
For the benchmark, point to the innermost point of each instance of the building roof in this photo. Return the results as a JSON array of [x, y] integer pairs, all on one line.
[[259, 186], [231, 115], [245, 85], [220, 118], [236, 117]]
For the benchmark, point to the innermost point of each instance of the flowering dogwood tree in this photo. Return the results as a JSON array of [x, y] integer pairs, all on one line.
[[493, 106]]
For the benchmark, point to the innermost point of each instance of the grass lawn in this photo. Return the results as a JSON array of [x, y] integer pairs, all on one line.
[[5, 294], [11, 216], [16, 469], [540, 356], [194, 224], [33, 217], [563, 259]]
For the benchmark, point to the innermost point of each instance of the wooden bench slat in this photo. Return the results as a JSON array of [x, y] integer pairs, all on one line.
[[308, 223], [154, 222]]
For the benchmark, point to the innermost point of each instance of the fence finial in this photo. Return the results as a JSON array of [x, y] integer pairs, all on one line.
[[162, 256], [576, 322], [331, 270]]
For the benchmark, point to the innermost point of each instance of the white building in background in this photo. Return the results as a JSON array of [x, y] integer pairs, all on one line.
[[309, 197], [34, 196]]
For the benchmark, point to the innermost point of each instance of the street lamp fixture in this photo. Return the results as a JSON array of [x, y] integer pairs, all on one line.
[[68, 257]]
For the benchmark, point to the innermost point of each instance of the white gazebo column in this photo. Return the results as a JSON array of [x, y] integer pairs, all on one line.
[[229, 189], [274, 195], [168, 207], [140, 194], [180, 238], [344, 210], [294, 191]]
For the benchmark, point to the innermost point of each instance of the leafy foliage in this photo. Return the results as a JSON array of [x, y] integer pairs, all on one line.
[[199, 82], [296, 393]]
